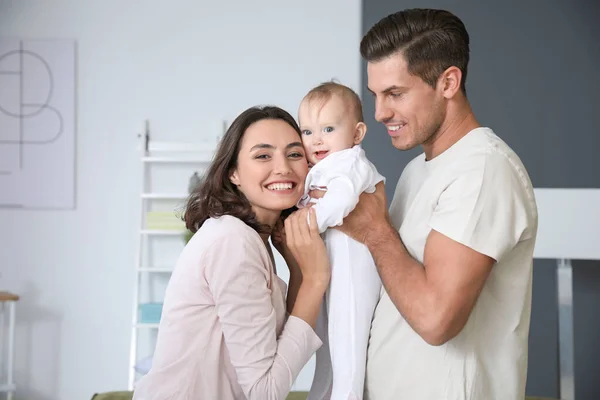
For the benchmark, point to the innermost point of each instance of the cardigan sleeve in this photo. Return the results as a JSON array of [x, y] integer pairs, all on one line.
[[266, 365]]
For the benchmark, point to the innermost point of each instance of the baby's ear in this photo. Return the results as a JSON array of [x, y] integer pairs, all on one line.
[[359, 132]]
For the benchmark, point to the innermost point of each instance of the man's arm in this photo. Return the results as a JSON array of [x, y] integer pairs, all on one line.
[[478, 218], [436, 298]]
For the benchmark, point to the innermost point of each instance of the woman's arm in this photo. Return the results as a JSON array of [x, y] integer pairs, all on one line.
[[313, 255], [266, 365], [294, 283], [279, 242], [307, 248]]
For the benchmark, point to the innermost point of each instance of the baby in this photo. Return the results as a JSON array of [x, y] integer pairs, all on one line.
[[331, 120]]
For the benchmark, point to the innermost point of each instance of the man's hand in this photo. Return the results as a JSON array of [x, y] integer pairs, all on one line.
[[369, 214]]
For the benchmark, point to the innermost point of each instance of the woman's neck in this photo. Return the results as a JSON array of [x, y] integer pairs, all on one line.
[[267, 220]]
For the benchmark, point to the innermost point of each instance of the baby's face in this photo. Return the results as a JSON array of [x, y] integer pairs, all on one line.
[[326, 128]]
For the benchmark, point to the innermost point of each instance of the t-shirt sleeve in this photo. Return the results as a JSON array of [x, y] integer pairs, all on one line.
[[485, 207], [266, 365]]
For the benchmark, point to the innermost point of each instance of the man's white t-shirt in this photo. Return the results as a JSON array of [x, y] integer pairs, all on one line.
[[477, 193]]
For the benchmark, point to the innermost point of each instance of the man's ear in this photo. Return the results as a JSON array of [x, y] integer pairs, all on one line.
[[359, 132], [450, 81], [234, 178]]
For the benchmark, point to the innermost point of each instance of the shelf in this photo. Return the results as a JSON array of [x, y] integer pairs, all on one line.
[[163, 232], [155, 270], [4, 387], [206, 147], [146, 326], [165, 196], [177, 160]]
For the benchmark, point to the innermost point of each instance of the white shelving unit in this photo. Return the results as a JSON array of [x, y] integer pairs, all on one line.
[[569, 230], [160, 155]]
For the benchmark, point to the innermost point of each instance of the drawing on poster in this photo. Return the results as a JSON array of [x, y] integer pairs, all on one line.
[[37, 124]]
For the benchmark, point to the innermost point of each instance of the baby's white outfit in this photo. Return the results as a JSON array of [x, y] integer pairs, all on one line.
[[345, 318]]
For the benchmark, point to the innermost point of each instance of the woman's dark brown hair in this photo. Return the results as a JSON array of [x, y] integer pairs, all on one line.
[[216, 196]]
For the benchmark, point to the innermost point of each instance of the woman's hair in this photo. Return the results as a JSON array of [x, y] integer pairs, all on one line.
[[216, 195]]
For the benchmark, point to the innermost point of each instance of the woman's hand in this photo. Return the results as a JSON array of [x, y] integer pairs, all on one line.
[[307, 247]]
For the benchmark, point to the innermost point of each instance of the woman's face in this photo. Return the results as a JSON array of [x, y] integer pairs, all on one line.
[[271, 168]]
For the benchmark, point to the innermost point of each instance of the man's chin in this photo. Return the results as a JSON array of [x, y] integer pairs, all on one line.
[[402, 144]]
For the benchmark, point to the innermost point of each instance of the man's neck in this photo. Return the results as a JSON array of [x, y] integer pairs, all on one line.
[[460, 121]]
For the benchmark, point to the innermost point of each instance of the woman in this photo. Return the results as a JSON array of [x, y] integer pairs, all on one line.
[[224, 333]]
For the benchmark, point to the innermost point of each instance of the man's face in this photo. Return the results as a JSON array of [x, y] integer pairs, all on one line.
[[411, 110]]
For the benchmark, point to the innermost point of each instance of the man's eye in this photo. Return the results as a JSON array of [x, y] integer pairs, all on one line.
[[296, 155]]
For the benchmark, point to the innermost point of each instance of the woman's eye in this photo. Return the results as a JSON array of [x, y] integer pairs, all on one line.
[[262, 157], [306, 132], [328, 129]]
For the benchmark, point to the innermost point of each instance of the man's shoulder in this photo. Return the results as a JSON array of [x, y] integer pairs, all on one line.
[[482, 149]]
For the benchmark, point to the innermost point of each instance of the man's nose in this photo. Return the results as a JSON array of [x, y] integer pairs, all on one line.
[[383, 113]]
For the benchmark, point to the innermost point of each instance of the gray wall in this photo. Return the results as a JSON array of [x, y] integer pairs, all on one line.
[[533, 78]]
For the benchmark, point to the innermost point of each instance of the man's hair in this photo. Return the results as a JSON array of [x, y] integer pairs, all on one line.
[[326, 90], [430, 40]]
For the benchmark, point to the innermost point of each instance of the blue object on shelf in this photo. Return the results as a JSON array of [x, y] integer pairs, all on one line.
[[150, 313]]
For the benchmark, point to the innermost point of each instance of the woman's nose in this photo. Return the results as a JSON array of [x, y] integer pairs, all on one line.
[[282, 166]]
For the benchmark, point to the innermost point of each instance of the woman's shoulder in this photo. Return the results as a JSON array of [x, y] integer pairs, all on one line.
[[226, 229], [230, 240]]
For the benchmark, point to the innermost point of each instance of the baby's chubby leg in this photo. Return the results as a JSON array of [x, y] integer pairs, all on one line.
[[321, 384], [353, 294]]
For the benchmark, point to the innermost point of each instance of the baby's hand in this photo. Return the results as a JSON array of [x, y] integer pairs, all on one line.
[[317, 193]]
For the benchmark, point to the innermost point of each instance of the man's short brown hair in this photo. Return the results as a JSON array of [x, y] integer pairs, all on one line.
[[430, 40]]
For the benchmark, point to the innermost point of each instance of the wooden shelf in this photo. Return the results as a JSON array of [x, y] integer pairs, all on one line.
[[7, 296]]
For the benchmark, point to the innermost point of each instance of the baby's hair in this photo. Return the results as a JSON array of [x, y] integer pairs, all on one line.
[[326, 90]]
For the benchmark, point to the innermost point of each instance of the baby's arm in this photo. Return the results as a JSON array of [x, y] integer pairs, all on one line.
[[339, 200]]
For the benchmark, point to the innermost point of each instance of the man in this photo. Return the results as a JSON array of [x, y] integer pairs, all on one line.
[[455, 250]]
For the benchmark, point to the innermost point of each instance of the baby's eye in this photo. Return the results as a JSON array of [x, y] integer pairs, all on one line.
[[328, 129], [306, 132]]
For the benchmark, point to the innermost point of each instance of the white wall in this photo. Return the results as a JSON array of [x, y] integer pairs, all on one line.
[[186, 66]]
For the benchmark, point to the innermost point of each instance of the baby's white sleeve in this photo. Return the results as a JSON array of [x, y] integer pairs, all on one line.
[[339, 200]]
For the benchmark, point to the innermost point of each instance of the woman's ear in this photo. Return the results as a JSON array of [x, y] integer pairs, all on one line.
[[234, 178], [359, 132]]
